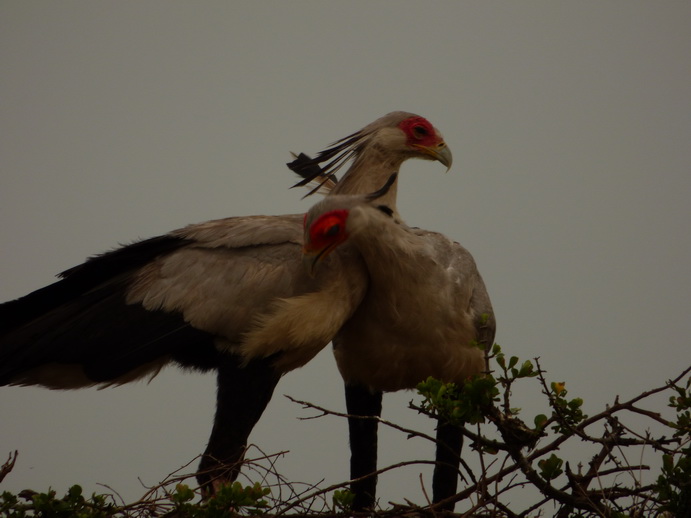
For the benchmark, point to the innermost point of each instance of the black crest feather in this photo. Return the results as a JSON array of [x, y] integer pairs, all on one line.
[[312, 170]]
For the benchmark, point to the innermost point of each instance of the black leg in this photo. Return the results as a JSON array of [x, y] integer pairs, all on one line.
[[360, 401], [445, 479], [242, 396]]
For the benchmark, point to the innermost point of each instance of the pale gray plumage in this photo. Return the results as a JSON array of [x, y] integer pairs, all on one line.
[[229, 294], [426, 313], [426, 306], [379, 148]]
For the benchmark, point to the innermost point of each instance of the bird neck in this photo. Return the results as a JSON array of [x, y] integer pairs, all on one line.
[[389, 248], [369, 172]]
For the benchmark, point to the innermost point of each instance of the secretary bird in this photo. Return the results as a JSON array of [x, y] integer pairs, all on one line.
[[426, 312], [228, 295]]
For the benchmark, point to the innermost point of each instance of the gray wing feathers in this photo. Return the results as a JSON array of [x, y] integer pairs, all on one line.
[[461, 263], [230, 267]]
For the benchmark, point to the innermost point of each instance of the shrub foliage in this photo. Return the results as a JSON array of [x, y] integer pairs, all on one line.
[[516, 454]]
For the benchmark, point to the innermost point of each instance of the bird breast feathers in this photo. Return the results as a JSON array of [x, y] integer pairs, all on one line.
[[299, 327]]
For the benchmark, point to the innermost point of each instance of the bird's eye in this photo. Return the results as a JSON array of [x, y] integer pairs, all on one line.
[[420, 132], [332, 230], [329, 227]]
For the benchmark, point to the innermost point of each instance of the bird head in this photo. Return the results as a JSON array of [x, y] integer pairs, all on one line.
[[422, 140], [393, 138], [326, 223]]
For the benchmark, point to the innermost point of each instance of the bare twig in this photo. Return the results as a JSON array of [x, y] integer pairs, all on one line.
[[325, 412], [8, 465]]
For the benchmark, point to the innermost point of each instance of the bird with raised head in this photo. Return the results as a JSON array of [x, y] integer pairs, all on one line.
[[229, 295]]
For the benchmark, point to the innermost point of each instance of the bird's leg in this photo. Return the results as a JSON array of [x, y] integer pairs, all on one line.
[[445, 478], [242, 395], [360, 401]]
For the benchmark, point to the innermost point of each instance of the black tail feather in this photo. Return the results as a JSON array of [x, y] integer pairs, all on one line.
[[85, 277]]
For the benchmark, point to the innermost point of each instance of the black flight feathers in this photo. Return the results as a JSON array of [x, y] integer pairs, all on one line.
[[76, 281], [83, 319]]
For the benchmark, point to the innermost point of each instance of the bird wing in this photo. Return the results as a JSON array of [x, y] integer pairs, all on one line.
[[426, 308], [479, 305], [466, 288], [126, 312]]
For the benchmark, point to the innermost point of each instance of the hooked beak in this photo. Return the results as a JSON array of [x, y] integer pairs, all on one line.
[[311, 257], [440, 152]]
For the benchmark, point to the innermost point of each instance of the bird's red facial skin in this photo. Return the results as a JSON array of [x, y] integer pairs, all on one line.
[[419, 132], [327, 232]]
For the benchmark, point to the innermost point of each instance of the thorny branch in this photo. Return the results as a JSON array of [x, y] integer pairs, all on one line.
[[523, 456], [8, 465]]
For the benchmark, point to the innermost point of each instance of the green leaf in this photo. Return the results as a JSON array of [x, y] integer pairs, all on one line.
[[343, 499], [513, 361], [550, 467], [526, 370], [540, 420]]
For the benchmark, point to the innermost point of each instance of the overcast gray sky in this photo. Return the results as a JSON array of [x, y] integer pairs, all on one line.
[[570, 125]]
